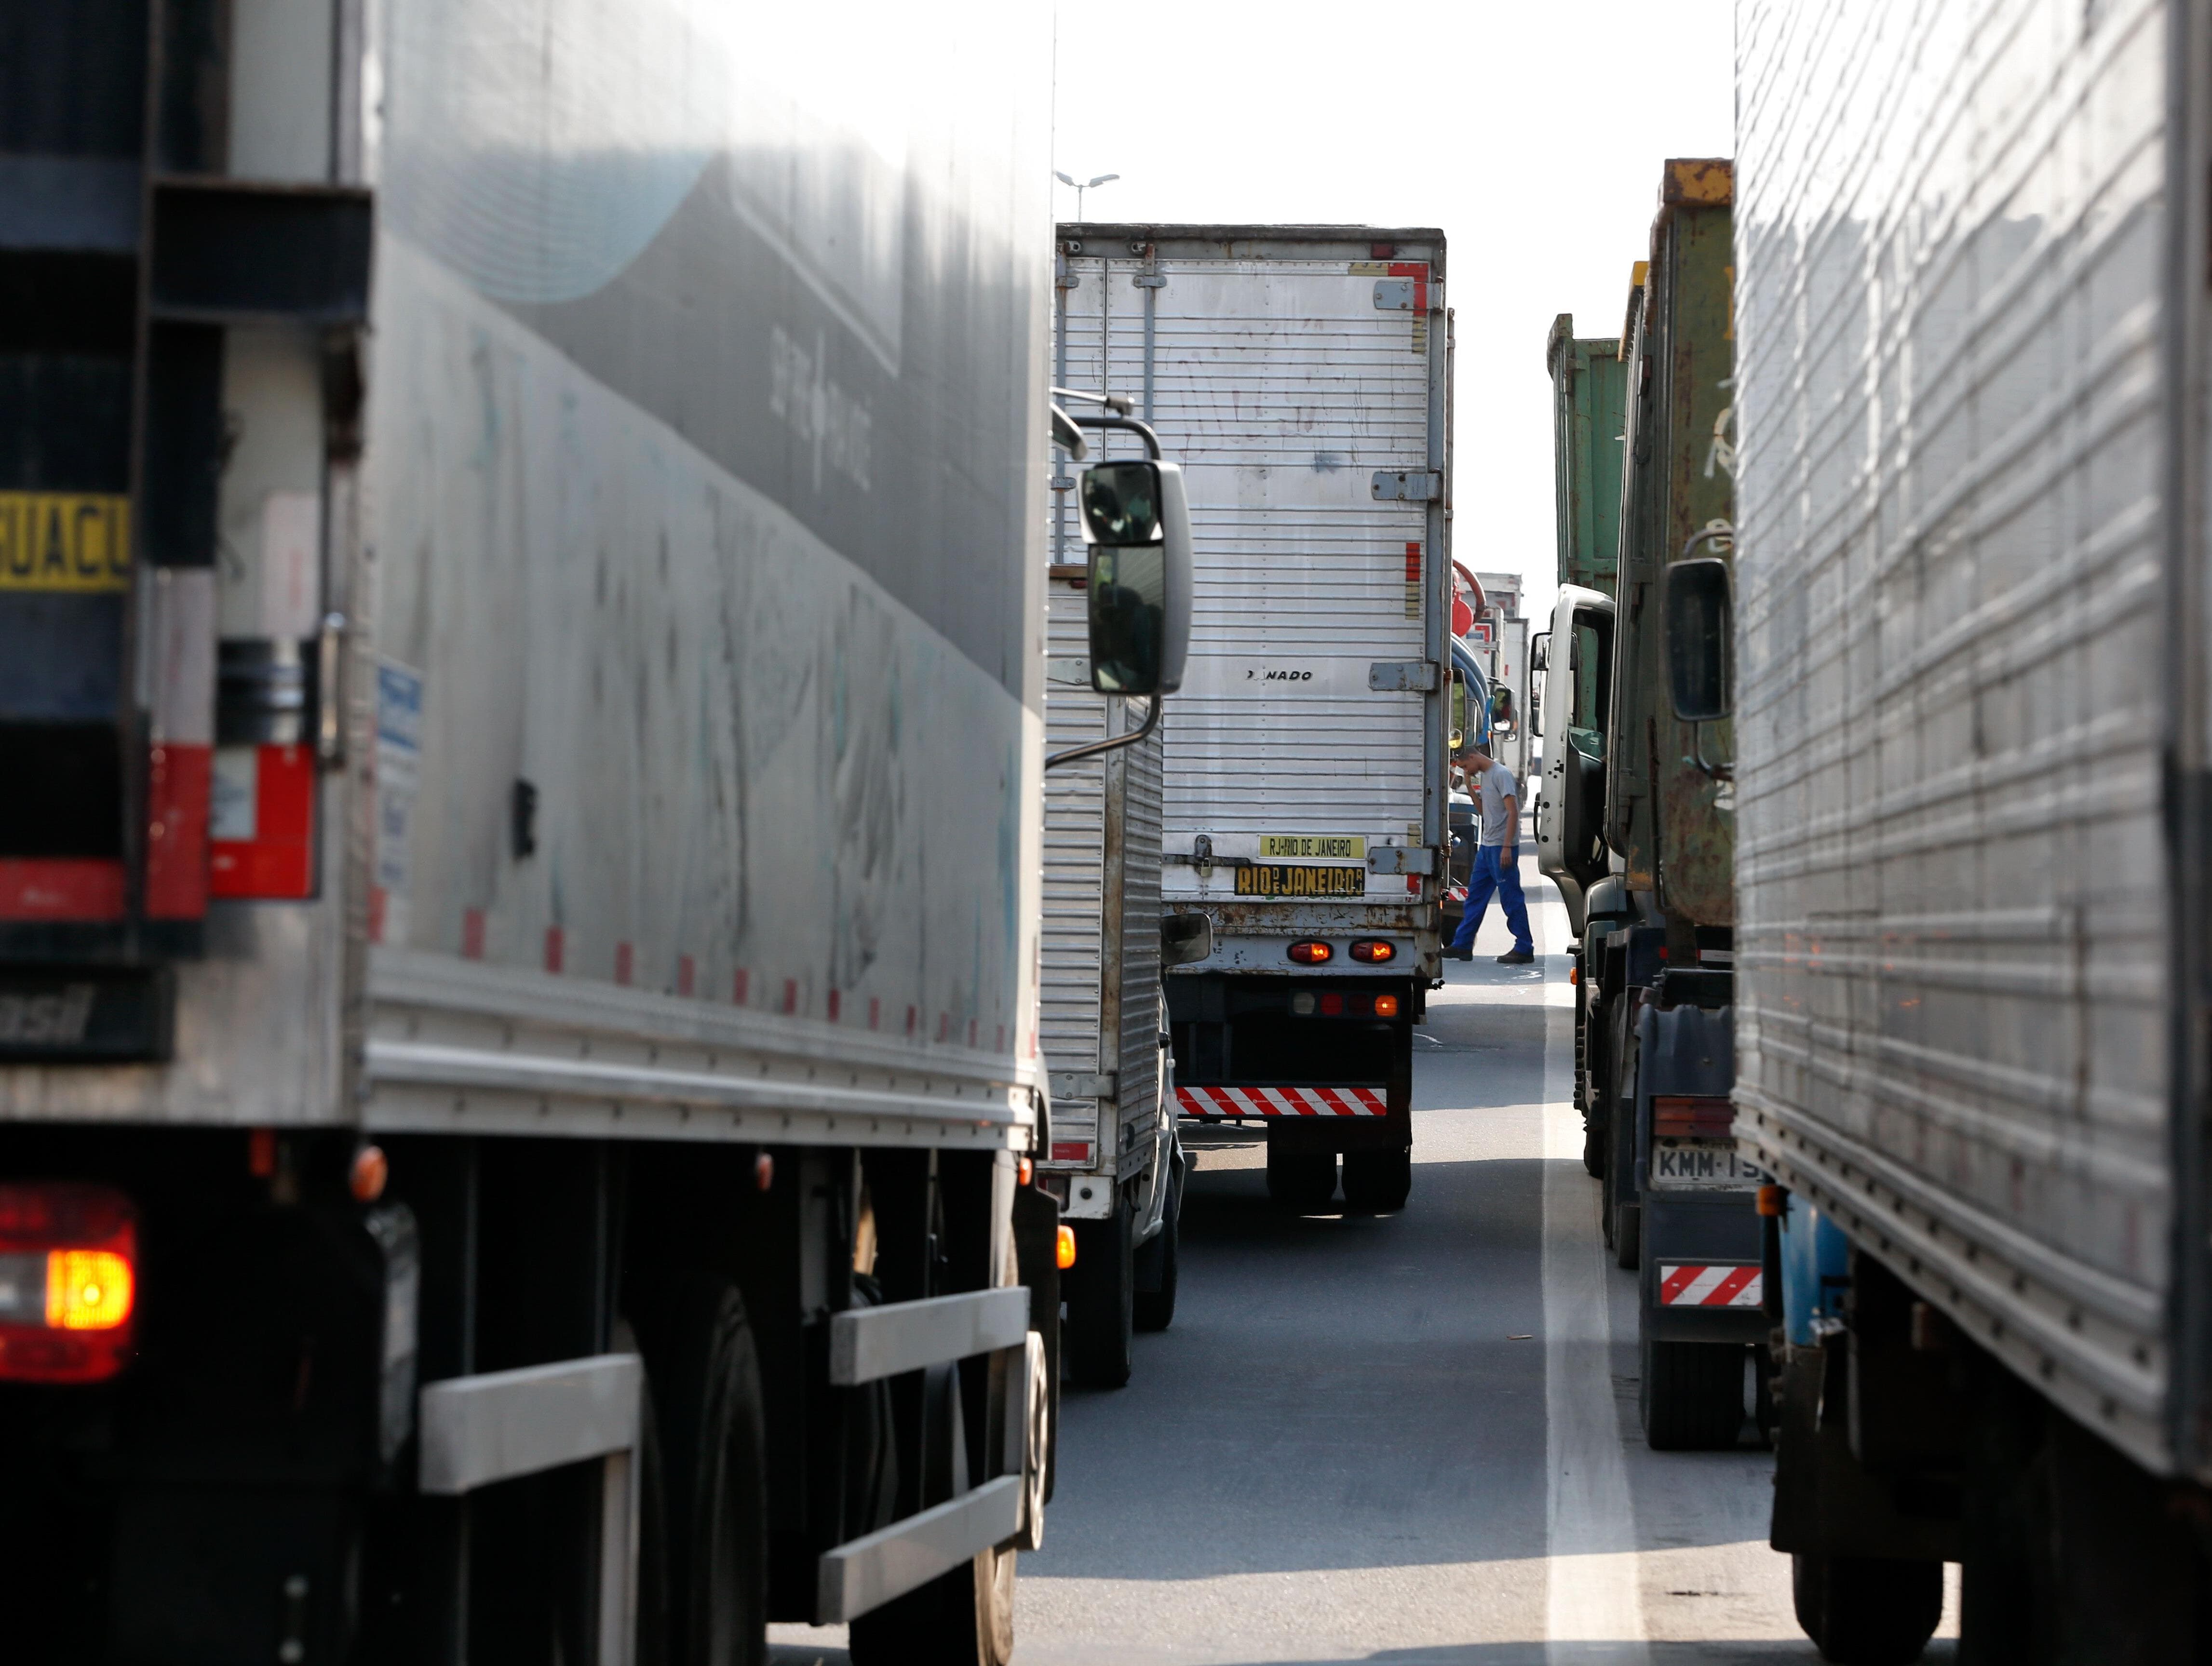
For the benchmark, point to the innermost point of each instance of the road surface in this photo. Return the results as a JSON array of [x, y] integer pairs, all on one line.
[[1408, 1439]]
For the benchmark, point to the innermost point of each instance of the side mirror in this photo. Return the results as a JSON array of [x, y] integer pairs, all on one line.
[[1137, 521], [1696, 600], [1539, 651], [1185, 938]]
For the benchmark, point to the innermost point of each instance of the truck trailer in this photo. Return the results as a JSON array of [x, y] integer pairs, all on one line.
[[520, 714], [1301, 376], [1970, 697]]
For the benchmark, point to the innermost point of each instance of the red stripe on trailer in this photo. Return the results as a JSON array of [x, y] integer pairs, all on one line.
[[1710, 1284], [1242, 1102], [60, 887], [178, 780]]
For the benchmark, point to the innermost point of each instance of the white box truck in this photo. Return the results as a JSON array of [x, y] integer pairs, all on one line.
[[1300, 374], [521, 601]]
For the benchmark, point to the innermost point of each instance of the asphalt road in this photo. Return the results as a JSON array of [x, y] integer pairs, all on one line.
[[1411, 1438]]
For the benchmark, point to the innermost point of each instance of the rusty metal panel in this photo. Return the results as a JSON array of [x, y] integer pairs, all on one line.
[[1288, 370], [1590, 384], [1957, 1012], [1678, 477]]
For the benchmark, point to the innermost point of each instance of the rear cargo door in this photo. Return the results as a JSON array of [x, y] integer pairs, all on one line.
[[1302, 390]]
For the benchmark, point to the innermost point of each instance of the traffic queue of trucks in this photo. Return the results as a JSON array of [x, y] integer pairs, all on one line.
[[1875, 765], [550, 1010]]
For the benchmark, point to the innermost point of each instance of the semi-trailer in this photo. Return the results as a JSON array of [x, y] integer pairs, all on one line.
[[1300, 376], [1969, 698], [520, 729]]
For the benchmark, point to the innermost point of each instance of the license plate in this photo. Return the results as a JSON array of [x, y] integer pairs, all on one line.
[[1290, 879], [1701, 1165]]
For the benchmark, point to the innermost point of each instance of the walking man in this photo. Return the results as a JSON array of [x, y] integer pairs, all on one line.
[[1496, 861]]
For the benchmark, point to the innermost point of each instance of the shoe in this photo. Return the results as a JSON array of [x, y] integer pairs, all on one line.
[[1459, 954], [1512, 958]]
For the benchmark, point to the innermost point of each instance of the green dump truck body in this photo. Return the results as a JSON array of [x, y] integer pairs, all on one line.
[[1590, 384], [1678, 477]]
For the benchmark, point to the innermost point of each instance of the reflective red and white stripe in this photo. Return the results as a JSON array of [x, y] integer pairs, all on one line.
[[1710, 1286], [1282, 1102]]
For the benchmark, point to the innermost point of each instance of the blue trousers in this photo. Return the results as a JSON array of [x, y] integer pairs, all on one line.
[[1490, 874]]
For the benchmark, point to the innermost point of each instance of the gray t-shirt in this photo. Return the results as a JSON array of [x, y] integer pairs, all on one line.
[[1493, 788]]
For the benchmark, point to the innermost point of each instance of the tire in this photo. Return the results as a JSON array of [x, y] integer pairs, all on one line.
[[1101, 1301], [1377, 1182], [1691, 1395], [1867, 1610], [704, 1602], [1153, 1303], [1301, 1182]]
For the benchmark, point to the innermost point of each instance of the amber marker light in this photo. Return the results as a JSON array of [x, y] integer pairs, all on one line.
[[1373, 953], [1386, 1007], [1026, 1172], [88, 1290], [1312, 953], [1773, 1201], [369, 1174], [1063, 1249]]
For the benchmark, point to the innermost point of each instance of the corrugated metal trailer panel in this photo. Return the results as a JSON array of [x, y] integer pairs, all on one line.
[[1102, 891], [1589, 410], [1961, 588], [1284, 368]]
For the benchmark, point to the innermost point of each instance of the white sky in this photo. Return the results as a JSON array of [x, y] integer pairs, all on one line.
[[1531, 133]]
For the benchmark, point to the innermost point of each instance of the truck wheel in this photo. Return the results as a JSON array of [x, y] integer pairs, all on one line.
[[1301, 1181], [1691, 1395], [1152, 1306], [1377, 1182], [1101, 1300], [708, 1438], [1867, 1610]]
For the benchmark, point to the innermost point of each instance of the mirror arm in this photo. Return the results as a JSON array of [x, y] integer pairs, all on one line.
[[1113, 742], [1067, 436], [1697, 758], [1115, 401], [1142, 431]]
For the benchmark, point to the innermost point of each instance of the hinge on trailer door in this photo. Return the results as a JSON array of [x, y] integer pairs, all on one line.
[[1401, 676], [1407, 485]]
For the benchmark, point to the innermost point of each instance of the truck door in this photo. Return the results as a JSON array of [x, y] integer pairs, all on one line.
[[1577, 690]]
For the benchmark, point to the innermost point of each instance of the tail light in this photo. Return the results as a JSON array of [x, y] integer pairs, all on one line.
[[1692, 1116], [1311, 954], [1386, 1007], [1331, 1006], [69, 1277], [1373, 953]]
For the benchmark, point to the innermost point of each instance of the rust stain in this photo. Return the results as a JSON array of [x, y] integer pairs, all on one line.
[[1708, 180]]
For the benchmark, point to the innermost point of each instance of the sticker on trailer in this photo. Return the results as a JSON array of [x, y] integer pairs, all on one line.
[[1314, 846], [1707, 1285], [1282, 1102], [398, 768]]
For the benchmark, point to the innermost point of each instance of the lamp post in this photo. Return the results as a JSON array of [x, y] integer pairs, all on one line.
[[1082, 186]]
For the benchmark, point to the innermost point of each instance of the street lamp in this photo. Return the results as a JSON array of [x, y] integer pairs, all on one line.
[[1082, 186]]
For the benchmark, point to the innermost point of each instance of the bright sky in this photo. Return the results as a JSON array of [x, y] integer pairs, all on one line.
[[1532, 134]]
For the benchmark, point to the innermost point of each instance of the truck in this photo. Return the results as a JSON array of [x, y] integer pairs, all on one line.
[[521, 669], [1571, 659], [1637, 827], [1115, 1165], [1301, 375], [1504, 634], [1967, 691]]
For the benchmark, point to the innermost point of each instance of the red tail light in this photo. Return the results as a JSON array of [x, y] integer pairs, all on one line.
[[1311, 954], [1692, 1116], [1331, 1006], [1373, 953], [68, 1278]]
